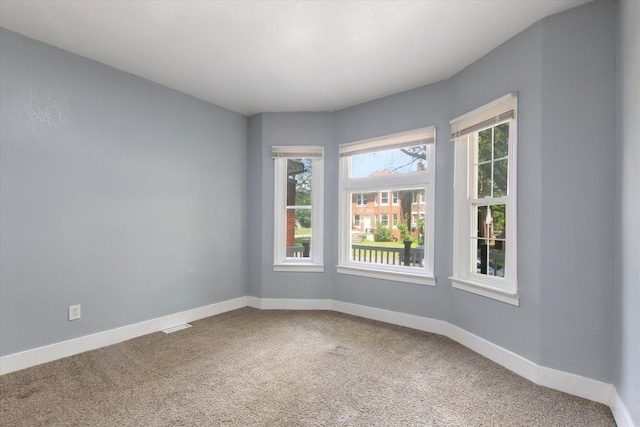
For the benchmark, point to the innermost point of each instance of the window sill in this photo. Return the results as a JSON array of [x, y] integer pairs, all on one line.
[[299, 267], [485, 291], [418, 279]]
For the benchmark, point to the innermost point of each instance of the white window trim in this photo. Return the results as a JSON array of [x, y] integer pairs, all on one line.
[[316, 262], [423, 180], [464, 277]]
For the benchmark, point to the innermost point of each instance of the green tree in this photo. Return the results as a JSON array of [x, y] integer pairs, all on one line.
[[303, 192]]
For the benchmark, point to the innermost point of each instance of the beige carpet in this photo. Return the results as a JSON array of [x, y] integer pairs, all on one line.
[[285, 368]]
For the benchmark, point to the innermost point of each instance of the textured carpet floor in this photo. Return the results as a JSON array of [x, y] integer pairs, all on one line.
[[285, 368]]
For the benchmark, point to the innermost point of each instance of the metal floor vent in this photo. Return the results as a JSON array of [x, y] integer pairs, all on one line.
[[177, 328]]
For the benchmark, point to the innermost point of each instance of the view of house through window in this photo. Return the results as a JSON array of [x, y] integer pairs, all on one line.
[[388, 197], [407, 218]]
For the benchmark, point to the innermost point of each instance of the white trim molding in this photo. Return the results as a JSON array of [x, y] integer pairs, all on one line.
[[576, 385], [28, 358], [566, 382], [619, 410], [379, 273]]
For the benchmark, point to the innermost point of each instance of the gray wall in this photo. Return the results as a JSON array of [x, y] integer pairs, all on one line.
[[626, 376], [116, 193], [578, 190], [255, 208], [290, 129]]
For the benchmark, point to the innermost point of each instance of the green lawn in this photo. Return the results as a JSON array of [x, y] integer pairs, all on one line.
[[385, 244], [298, 240]]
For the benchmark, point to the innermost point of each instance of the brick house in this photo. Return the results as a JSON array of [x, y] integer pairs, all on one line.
[[385, 207]]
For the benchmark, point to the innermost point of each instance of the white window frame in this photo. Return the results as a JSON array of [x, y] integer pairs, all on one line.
[[382, 202], [315, 263], [423, 180], [361, 199], [464, 131]]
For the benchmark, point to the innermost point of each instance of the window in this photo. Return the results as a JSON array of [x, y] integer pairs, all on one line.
[[298, 221], [361, 199], [485, 201], [356, 221], [403, 165]]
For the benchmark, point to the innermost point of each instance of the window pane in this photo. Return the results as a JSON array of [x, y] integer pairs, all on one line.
[[484, 145], [385, 227], [359, 199], [299, 175], [388, 162], [500, 175], [489, 240], [298, 221], [298, 232], [496, 258], [498, 221], [501, 143], [483, 180]]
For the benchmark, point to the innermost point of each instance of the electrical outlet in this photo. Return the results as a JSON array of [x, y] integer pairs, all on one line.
[[74, 312]]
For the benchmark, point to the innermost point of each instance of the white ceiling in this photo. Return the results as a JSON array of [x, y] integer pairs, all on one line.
[[259, 56]]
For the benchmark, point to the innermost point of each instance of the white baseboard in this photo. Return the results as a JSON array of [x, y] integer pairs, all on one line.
[[619, 410], [289, 304], [558, 380], [548, 377], [49, 353], [392, 317]]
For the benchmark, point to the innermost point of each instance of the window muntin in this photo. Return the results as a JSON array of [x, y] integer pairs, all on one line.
[[491, 163], [485, 201], [398, 173], [298, 195]]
